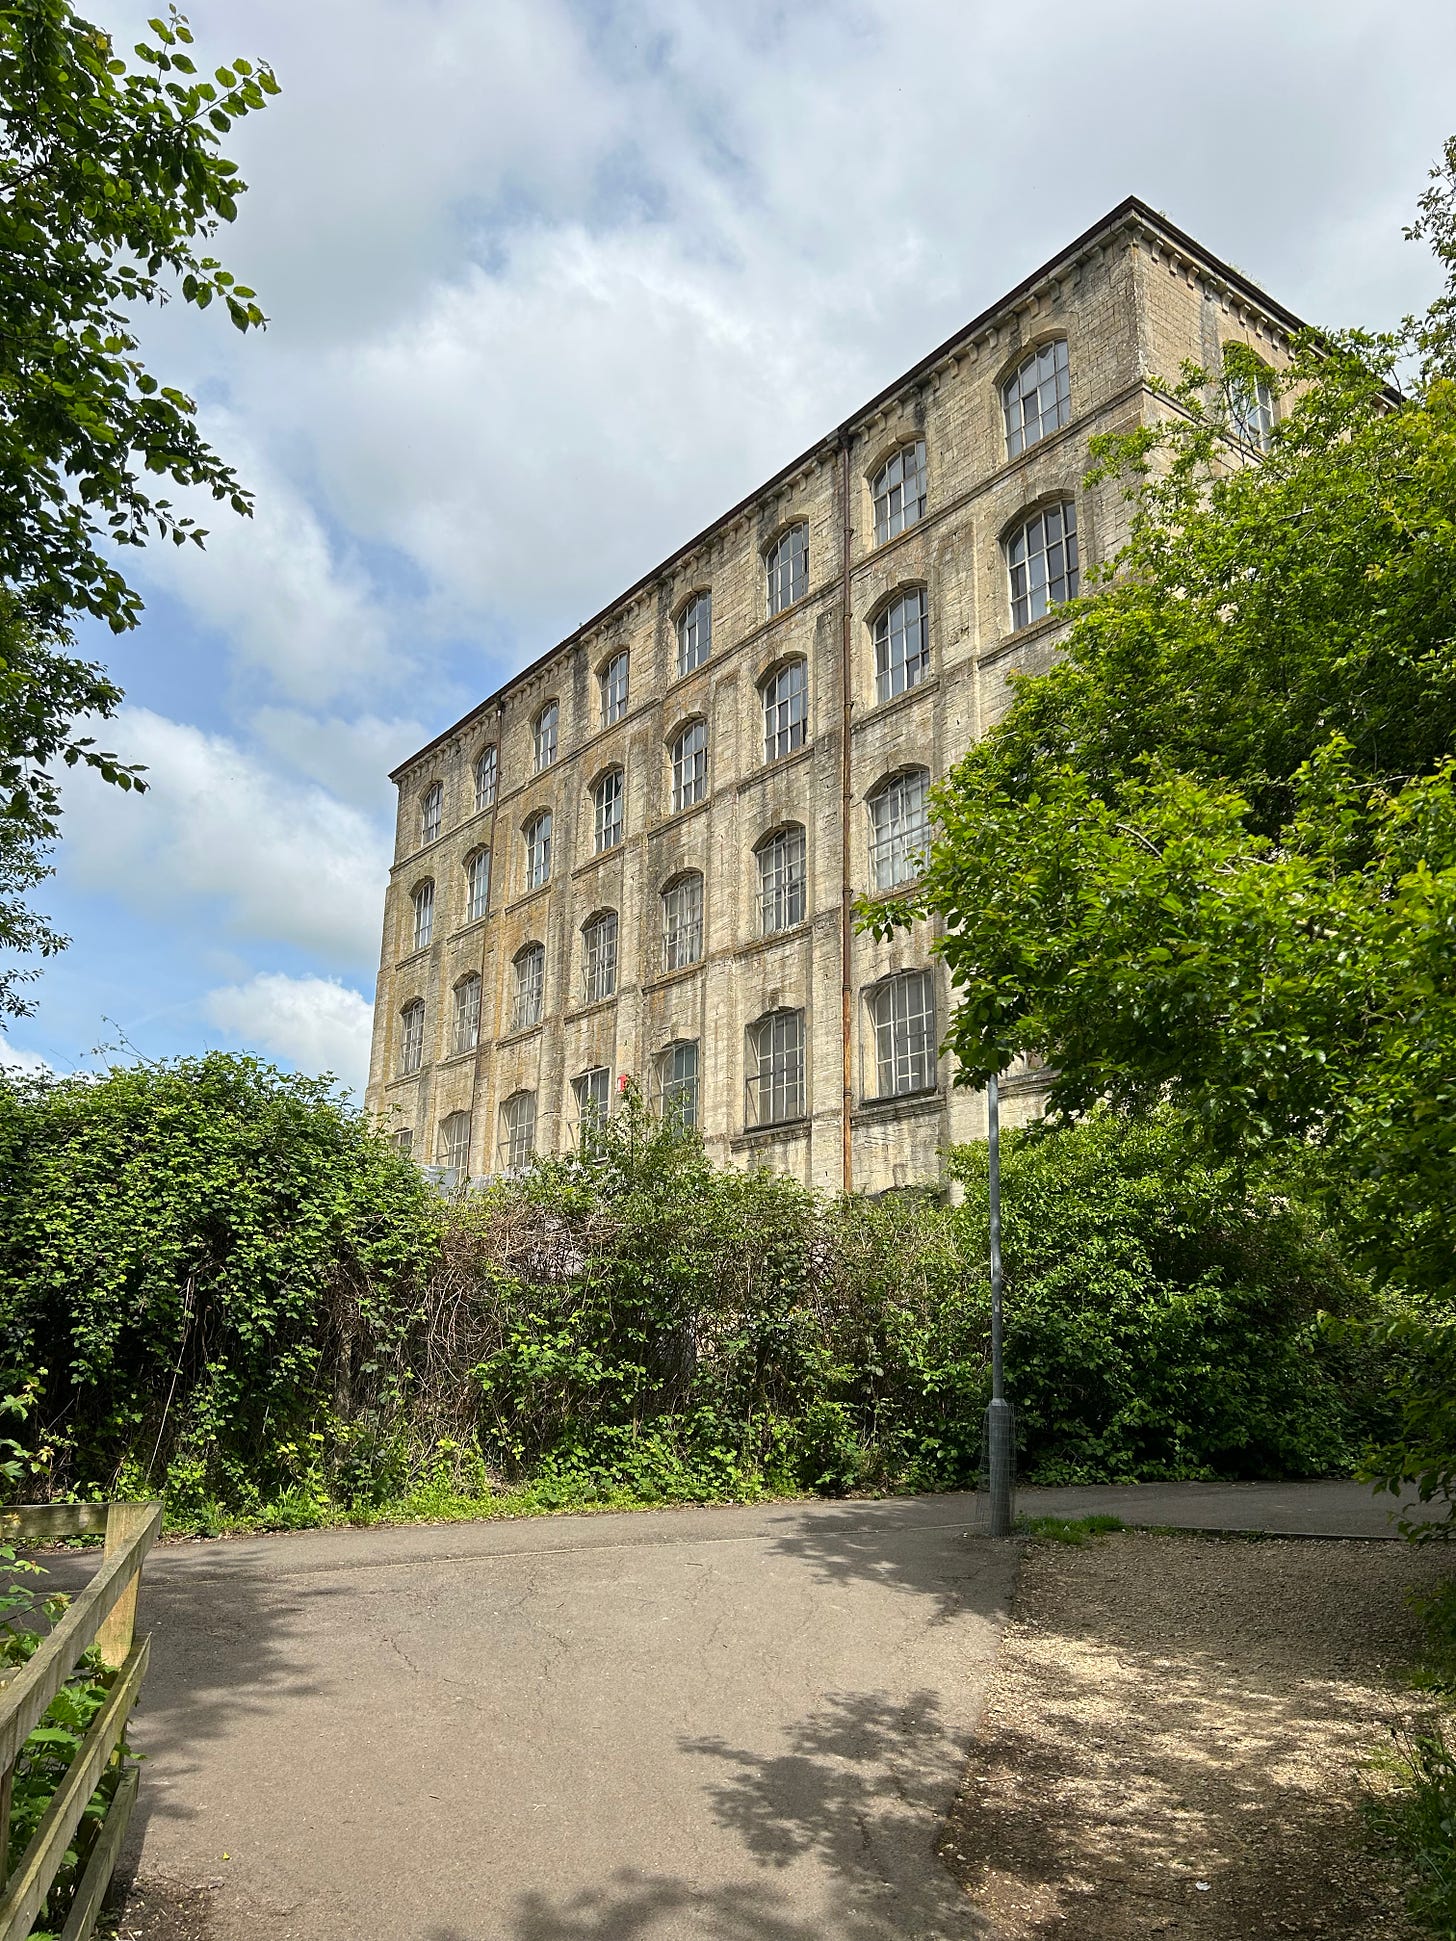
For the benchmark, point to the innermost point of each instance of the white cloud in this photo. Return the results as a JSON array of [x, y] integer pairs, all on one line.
[[316, 1023], [222, 840], [27, 1062], [350, 758]]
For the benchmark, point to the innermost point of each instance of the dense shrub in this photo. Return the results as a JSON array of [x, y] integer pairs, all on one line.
[[215, 1280]]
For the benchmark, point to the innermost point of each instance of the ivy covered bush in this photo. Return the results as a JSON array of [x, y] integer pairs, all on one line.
[[217, 1281]]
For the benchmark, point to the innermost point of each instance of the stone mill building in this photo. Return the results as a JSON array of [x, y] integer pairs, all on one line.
[[640, 856]]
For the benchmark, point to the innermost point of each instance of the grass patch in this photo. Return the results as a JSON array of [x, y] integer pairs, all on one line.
[[1417, 1817], [1068, 1529]]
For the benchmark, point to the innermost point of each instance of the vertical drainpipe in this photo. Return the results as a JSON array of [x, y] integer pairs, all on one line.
[[846, 925]]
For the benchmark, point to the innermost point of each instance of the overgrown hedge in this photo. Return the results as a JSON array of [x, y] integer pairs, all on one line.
[[216, 1281]]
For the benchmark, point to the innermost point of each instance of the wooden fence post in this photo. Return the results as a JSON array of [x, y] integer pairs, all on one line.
[[113, 1640]]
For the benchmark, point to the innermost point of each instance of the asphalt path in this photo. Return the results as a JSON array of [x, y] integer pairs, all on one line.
[[738, 1723]]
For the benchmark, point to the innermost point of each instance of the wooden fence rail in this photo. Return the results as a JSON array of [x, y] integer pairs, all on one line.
[[104, 1615]]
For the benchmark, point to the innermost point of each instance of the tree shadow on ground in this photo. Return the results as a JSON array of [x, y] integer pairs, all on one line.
[[884, 1543]]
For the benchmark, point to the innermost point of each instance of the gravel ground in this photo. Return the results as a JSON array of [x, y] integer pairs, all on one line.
[[1175, 1739]]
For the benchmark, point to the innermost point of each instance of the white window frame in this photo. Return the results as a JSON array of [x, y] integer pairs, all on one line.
[[1036, 399], [902, 643], [592, 1091], [676, 1070], [528, 989], [785, 697], [1251, 411], [477, 885], [682, 922], [486, 773], [454, 1148], [423, 899], [903, 1035], [465, 1025], [612, 682], [898, 490], [599, 957], [516, 1143], [690, 766], [694, 633], [546, 726], [899, 812], [432, 814], [609, 802], [412, 1036], [1042, 561], [783, 879], [774, 1087], [786, 566], [537, 838]]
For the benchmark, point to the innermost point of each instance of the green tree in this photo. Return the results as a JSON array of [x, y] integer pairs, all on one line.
[[1210, 857]]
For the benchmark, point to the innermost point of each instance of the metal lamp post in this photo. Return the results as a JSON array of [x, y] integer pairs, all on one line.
[[998, 1415]]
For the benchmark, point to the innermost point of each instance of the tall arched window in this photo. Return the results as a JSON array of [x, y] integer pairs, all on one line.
[[477, 885], [782, 889], [785, 695], [682, 922], [432, 809], [1037, 397], [613, 683], [608, 798], [1251, 409], [775, 1075], [902, 644], [529, 993], [1041, 557], [898, 489], [424, 907], [454, 1148], [517, 1132], [412, 1036], [787, 565], [694, 633], [676, 1074], [902, 1018], [599, 957], [485, 777], [466, 1034], [690, 766], [546, 736], [899, 828], [537, 835], [592, 1092]]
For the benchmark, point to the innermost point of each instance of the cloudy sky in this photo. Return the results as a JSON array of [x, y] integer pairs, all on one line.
[[550, 286]]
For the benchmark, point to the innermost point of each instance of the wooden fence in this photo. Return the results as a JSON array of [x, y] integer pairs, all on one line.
[[104, 1615]]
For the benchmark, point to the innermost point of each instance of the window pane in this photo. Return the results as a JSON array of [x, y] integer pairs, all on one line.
[[424, 915], [899, 828], [776, 1068], [412, 1037], [682, 923], [485, 779], [677, 1082], [1037, 397], [903, 1012], [609, 800], [614, 689], [781, 880], [538, 850], [546, 736], [785, 710], [593, 1094], [404, 1143], [902, 645], [431, 812], [454, 1147], [467, 1014], [1042, 557], [477, 886], [1251, 406], [599, 958], [788, 568], [530, 988], [899, 492], [517, 1131], [690, 766], [694, 633]]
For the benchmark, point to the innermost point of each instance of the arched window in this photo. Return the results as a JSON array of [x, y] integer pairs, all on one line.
[[592, 1092], [613, 683], [404, 1142], [682, 922], [899, 828], [517, 1132], [676, 1075], [899, 491], [412, 1036], [546, 736], [485, 776], [432, 808], [782, 895], [455, 1148], [694, 633], [902, 644], [477, 885], [599, 957], [1041, 556], [424, 925], [1251, 408], [537, 834], [528, 996], [775, 1076], [690, 766], [787, 565], [466, 1034], [785, 695], [608, 797], [902, 1017], [1037, 397]]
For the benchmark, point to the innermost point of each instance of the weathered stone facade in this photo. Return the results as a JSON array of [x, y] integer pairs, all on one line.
[[1133, 298]]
